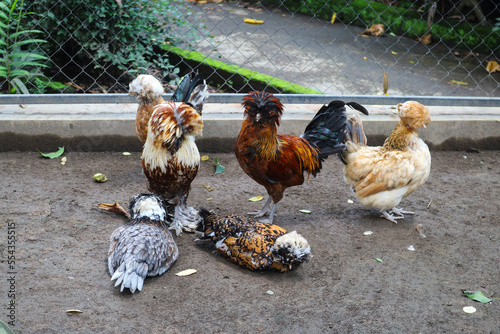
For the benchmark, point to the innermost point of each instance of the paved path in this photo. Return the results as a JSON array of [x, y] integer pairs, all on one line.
[[334, 58]]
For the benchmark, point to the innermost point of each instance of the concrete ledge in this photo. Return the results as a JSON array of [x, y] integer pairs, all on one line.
[[110, 127]]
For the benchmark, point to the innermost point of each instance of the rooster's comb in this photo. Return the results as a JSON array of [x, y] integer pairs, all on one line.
[[265, 104]]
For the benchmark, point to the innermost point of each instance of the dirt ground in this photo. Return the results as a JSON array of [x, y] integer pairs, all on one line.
[[62, 242]]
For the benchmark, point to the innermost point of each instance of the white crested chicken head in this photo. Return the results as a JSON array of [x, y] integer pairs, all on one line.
[[171, 122], [147, 206], [146, 87], [291, 249], [414, 114]]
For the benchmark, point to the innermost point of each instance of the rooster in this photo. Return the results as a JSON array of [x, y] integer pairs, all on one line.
[[279, 161], [144, 246], [148, 91], [382, 176], [254, 245], [170, 157]]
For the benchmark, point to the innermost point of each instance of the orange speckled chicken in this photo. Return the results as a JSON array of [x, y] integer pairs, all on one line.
[[254, 245], [170, 158], [279, 161], [148, 91], [382, 176]]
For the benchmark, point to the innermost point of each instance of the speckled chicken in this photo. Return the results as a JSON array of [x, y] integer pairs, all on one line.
[[382, 176], [142, 247], [254, 245], [170, 158], [149, 93]]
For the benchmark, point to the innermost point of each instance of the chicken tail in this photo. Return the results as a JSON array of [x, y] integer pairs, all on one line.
[[327, 130], [355, 136], [291, 249], [192, 90], [130, 275], [355, 132], [204, 224]]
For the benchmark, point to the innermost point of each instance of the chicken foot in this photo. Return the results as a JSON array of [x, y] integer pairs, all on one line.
[[264, 211], [394, 214], [186, 218]]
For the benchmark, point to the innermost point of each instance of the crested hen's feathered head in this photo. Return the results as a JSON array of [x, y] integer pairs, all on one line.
[[414, 114], [171, 122], [263, 108], [147, 206], [291, 249], [146, 87]]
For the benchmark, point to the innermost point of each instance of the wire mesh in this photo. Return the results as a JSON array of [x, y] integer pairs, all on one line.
[[427, 48]]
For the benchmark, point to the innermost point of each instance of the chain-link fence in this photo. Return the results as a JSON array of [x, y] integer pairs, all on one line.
[[353, 47]]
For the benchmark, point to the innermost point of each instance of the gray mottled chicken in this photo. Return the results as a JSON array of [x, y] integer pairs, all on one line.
[[142, 247], [254, 245], [382, 176], [148, 91], [170, 157]]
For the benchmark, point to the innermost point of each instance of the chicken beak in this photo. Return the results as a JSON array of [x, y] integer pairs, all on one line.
[[258, 117], [423, 125]]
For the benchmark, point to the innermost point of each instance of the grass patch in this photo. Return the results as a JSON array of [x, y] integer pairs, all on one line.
[[235, 78]]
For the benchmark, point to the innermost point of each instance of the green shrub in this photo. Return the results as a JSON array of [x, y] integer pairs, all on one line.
[[112, 34], [19, 64]]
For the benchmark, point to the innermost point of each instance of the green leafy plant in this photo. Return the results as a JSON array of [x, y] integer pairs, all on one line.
[[114, 37], [18, 64]]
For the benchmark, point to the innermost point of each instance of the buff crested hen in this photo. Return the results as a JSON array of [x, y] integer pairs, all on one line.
[[254, 245], [382, 176], [280, 161], [144, 246], [148, 91], [170, 157]]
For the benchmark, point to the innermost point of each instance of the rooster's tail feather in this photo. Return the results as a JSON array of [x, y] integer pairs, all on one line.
[[192, 90], [355, 132], [327, 130]]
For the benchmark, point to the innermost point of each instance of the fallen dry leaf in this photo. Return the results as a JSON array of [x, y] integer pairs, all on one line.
[[493, 66], [333, 18], [253, 21], [256, 199], [204, 158], [206, 186], [426, 39], [73, 311], [116, 208], [100, 177], [458, 82], [420, 231], [469, 309], [187, 272], [374, 30]]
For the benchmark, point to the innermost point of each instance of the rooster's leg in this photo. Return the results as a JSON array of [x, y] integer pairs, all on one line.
[[189, 216], [271, 215], [177, 223], [390, 217], [401, 212], [264, 211]]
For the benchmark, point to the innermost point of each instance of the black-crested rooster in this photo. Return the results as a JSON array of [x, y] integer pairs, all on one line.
[[279, 161]]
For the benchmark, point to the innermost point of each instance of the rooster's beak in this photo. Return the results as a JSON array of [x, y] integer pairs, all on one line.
[[258, 117]]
